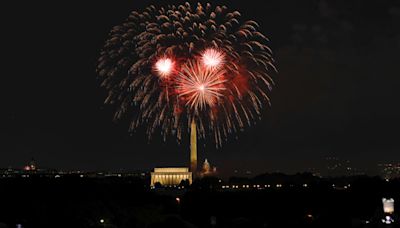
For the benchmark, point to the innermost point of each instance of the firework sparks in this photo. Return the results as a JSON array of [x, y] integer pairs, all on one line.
[[212, 58], [214, 70], [201, 86], [164, 67]]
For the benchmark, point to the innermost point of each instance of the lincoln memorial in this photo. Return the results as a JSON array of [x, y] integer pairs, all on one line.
[[170, 176]]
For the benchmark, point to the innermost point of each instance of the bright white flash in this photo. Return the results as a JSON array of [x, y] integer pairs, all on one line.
[[164, 67], [212, 58]]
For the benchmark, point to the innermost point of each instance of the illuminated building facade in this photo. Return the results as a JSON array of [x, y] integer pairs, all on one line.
[[31, 166], [388, 205], [170, 176], [388, 209], [207, 169]]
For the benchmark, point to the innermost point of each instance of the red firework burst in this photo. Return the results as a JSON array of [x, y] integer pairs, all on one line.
[[200, 86], [166, 67]]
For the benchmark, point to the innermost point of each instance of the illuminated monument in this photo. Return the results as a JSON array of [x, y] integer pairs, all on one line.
[[388, 210], [174, 176], [207, 169], [193, 149], [31, 166], [170, 176]]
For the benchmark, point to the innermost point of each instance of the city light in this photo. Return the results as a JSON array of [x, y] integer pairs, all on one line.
[[388, 205], [388, 220]]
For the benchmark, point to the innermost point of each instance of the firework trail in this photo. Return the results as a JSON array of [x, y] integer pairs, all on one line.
[[166, 67]]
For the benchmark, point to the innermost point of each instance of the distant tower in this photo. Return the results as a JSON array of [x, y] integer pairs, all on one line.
[[193, 148]]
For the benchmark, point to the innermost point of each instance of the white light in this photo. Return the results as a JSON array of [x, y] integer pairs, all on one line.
[[388, 220], [101, 220], [388, 205], [212, 58], [164, 67], [201, 88]]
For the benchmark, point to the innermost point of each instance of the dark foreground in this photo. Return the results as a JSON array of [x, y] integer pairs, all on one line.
[[128, 203]]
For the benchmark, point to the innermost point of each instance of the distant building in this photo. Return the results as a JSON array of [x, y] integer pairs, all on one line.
[[31, 166], [170, 176], [207, 169], [390, 170]]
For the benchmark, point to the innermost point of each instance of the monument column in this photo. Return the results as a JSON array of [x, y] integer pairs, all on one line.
[[193, 148]]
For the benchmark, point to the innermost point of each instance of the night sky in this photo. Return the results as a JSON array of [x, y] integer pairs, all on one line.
[[337, 90]]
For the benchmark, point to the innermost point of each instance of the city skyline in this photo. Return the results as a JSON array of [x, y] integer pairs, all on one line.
[[330, 167]]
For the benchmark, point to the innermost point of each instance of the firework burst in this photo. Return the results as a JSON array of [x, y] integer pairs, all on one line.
[[200, 86], [212, 58], [167, 67], [164, 67]]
